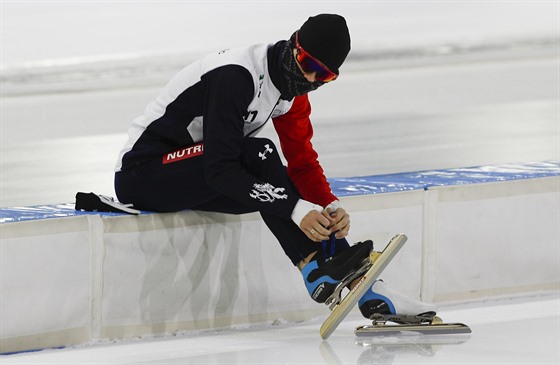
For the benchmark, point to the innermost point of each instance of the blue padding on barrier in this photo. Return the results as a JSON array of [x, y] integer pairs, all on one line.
[[19, 214], [425, 179], [349, 186]]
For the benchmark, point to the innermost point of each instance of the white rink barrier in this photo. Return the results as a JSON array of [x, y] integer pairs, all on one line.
[[69, 277]]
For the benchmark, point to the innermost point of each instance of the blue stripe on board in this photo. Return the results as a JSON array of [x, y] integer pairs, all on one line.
[[425, 179], [362, 185]]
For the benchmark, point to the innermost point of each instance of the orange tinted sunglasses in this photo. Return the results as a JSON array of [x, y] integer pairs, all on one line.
[[309, 64]]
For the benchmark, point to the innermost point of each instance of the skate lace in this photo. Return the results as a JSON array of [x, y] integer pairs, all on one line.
[[331, 242]]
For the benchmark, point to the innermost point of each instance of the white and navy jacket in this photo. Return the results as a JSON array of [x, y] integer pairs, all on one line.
[[219, 100]]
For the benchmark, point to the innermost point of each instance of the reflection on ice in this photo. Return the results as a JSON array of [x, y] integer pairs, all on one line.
[[387, 349]]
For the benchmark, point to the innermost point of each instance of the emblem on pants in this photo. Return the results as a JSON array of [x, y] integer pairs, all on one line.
[[267, 193], [267, 149]]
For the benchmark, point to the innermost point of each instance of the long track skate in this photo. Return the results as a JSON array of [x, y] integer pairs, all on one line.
[[369, 272], [426, 323]]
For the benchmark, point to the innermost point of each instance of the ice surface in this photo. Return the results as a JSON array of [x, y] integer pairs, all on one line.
[[422, 118], [520, 331]]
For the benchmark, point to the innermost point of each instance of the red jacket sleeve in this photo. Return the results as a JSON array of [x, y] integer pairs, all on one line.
[[295, 131]]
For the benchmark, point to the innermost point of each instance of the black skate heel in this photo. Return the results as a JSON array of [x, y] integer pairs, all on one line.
[[325, 275]]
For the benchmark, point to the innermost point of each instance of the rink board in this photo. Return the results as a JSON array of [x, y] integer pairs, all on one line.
[[68, 277]]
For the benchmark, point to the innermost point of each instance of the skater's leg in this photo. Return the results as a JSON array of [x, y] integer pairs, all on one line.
[[323, 265], [154, 186], [261, 158], [181, 185]]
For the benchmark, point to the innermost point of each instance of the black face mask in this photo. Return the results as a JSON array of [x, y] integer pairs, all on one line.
[[295, 83]]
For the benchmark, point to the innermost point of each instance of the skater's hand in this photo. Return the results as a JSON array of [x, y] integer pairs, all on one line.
[[340, 222], [313, 225]]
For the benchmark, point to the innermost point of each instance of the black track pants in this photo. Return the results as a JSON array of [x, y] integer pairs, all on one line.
[[154, 186]]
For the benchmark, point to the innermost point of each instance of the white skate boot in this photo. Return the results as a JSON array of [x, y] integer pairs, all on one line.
[[381, 302], [384, 306]]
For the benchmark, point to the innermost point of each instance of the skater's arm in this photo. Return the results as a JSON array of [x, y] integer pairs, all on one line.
[[295, 132]]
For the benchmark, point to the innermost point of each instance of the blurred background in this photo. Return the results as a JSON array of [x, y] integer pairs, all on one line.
[[427, 85]]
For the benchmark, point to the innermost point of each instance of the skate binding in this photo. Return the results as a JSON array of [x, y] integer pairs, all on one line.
[[425, 323], [422, 318], [336, 297]]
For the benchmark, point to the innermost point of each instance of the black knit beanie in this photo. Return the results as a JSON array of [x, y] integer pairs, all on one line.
[[326, 38]]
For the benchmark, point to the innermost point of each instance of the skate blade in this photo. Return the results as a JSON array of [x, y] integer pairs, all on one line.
[[425, 329]]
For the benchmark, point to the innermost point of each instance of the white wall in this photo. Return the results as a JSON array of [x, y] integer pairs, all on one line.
[[69, 280], [494, 239]]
